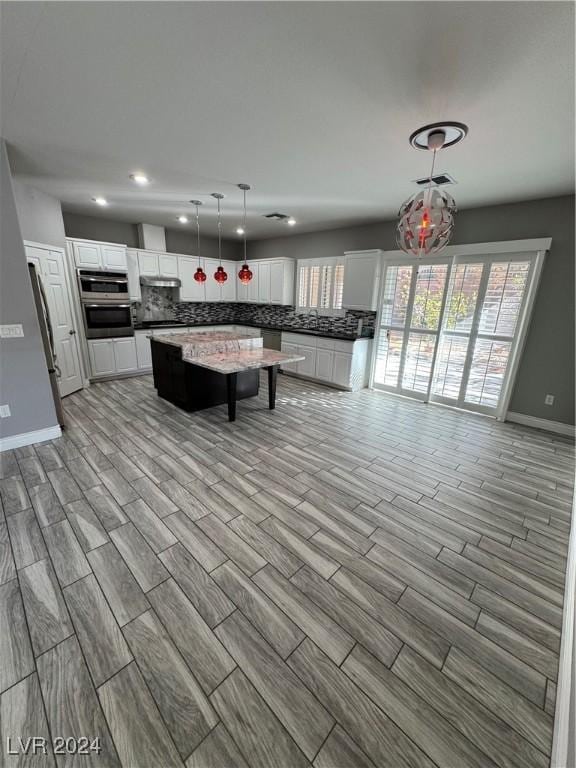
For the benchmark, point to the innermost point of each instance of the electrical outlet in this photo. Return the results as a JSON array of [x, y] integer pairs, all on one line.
[[4, 411], [11, 331], [549, 400]]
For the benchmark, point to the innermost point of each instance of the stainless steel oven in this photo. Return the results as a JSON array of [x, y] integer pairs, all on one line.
[[105, 319], [102, 286]]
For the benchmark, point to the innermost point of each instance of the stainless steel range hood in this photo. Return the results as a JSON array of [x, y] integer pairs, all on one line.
[[158, 281]]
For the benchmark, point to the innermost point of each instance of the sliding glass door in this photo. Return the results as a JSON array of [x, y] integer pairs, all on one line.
[[449, 329]]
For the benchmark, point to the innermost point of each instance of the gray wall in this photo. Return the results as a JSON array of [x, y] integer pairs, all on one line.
[[40, 215], [177, 240], [24, 380], [547, 365]]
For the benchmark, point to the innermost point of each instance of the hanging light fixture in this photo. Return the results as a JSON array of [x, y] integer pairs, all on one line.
[[427, 218], [245, 274], [220, 275], [199, 275]]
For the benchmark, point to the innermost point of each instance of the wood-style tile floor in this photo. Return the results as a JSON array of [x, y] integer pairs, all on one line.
[[351, 580]]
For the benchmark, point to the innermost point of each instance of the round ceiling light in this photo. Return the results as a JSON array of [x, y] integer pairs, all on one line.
[[140, 178], [183, 219], [291, 221], [100, 201], [453, 133]]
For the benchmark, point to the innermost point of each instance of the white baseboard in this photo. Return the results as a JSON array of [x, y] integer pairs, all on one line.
[[564, 718], [27, 438], [546, 424]]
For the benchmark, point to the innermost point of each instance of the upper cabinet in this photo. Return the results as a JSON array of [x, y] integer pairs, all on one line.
[[133, 275], [190, 289], [272, 282], [148, 263], [167, 265], [90, 254], [361, 280]]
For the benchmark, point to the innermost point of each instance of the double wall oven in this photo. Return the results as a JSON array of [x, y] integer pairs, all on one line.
[[105, 302]]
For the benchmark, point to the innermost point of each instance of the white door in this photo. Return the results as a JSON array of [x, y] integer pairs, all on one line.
[[101, 352], [264, 284], [52, 272], [167, 265], [190, 290], [276, 282], [113, 258], [125, 355], [87, 255], [148, 263]]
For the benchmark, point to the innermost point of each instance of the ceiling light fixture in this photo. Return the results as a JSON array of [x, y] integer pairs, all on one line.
[[291, 221], [220, 275], [245, 274], [183, 219], [140, 178], [239, 231], [427, 217], [199, 275], [100, 201]]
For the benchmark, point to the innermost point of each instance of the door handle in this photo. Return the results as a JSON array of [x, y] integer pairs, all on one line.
[[72, 332]]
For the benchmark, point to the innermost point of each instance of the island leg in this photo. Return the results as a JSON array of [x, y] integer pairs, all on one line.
[[231, 387], [272, 378]]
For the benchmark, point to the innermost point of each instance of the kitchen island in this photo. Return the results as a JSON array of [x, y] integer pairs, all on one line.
[[200, 370]]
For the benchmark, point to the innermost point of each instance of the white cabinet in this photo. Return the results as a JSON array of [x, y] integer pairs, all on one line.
[[253, 285], [143, 350], [134, 289], [228, 289], [277, 281], [167, 265], [148, 263], [125, 355], [112, 356], [361, 279], [338, 362], [101, 353], [90, 254], [113, 258], [190, 290], [213, 290], [264, 283]]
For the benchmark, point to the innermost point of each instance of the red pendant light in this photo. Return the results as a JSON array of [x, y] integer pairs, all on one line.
[[245, 274], [199, 275], [220, 275]]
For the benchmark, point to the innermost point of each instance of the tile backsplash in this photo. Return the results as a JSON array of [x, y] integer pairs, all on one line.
[[156, 304]]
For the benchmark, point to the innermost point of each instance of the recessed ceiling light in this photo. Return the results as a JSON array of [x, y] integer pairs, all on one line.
[[140, 178], [183, 219], [100, 201], [239, 230], [291, 221]]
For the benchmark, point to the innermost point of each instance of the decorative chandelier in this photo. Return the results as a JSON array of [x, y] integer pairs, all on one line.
[[199, 275], [245, 274], [427, 218], [220, 275]]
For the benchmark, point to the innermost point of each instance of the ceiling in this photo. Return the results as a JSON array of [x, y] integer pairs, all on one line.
[[310, 103]]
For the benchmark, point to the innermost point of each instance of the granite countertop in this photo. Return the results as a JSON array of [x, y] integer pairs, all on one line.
[[286, 329], [199, 345], [246, 359]]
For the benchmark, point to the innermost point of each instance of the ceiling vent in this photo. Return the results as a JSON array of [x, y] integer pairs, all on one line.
[[276, 216], [438, 180]]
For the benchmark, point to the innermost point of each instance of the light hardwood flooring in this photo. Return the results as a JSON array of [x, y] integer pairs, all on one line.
[[350, 580]]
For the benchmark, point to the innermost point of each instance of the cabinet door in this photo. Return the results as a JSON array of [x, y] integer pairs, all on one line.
[[264, 283], [134, 289], [213, 290], [361, 278], [342, 369], [167, 265], [101, 352], [125, 355], [143, 350], [253, 290], [276, 282], [324, 364], [190, 290], [307, 367], [242, 291], [113, 258], [148, 263], [87, 255], [290, 349], [228, 290]]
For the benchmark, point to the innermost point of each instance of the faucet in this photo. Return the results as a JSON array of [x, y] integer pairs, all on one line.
[[310, 311]]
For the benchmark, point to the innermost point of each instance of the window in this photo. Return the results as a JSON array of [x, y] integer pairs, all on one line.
[[320, 285]]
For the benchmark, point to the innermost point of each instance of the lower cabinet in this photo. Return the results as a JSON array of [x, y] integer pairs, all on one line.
[[334, 361], [111, 356], [143, 349]]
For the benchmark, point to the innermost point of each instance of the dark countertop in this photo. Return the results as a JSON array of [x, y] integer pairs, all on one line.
[[285, 329]]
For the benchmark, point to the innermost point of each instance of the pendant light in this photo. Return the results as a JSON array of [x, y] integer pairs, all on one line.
[[427, 218], [245, 274], [220, 275], [199, 275]]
